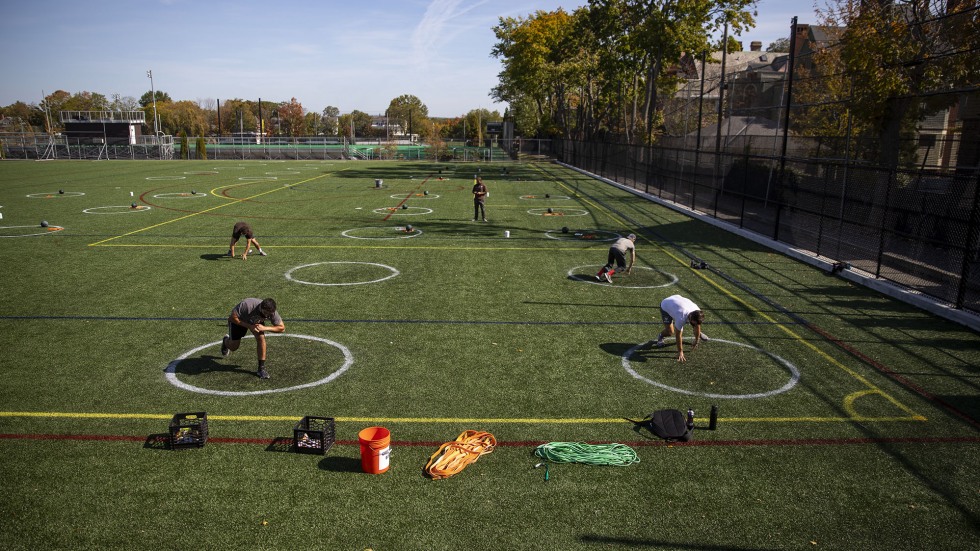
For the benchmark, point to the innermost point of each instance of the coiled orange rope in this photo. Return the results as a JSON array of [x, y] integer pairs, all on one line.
[[453, 457]]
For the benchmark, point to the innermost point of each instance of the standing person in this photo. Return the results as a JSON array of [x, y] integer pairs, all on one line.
[[617, 256], [675, 311], [251, 315], [240, 229], [479, 200]]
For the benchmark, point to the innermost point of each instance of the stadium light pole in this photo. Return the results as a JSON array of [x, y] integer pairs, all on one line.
[[153, 94]]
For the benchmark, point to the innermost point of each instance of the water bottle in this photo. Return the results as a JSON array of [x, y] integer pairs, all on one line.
[[690, 419], [713, 420]]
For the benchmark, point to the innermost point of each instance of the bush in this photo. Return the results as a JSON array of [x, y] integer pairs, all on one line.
[[202, 149], [184, 153]]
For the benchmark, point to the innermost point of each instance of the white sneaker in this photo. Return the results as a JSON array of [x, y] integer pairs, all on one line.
[[660, 341], [262, 253], [224, 349], [608, 277], [704, 337]]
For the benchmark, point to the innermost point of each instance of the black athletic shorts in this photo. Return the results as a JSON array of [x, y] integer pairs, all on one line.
[[240, 230], [236, 332]]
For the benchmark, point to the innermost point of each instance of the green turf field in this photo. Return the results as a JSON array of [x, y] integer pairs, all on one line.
[[847, 420]]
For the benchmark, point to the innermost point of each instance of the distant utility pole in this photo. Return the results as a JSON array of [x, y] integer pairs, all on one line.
[[153, 94]]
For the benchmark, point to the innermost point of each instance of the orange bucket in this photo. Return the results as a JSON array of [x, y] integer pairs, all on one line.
[[375, 449]]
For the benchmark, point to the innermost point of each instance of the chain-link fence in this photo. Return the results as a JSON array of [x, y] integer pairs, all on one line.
[[787, 146]]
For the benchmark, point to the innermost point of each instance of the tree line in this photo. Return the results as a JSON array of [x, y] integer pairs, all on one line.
[[605, 71], [406, 114]]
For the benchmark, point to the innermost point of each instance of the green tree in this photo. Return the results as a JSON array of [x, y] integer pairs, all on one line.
[[24, 117], [291, 118], [146, 100], [780, 45], [476, 124], [312, 124], [605, 66], [182, 116], [359, 122], [409, 113], [330, 121], [201, 148], [900, 57], [184, 147], [124, 103], [61, 100], [238, 115], [529, 50], [661, 31]]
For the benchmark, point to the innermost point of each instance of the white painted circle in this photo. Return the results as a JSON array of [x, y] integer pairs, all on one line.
[[200, 172], [288, 172], [413, 196], [557, 234], [289, 274], [46, 232], [119, 209], [166, 177], [197, 195], [619, 283], [541, 197], [256, 178], [793, 379], [564, 212], [171, 371], [415, 233], [397, 211], [54, 194]]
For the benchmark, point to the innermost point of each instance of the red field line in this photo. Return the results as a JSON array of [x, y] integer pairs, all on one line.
[[405, 200], [533, 443]]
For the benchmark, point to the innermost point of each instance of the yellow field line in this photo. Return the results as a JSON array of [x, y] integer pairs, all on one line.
[[785, 329], [387, 247], [422, 420], [213, 192]]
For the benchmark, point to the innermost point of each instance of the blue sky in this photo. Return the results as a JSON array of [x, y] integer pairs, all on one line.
[[348, 54]]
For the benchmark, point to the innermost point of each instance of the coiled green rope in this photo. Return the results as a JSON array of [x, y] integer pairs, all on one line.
[[616, 455]]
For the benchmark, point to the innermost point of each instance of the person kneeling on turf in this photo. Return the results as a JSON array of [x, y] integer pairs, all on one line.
[[675, 312], [617, 258], [251, 315]]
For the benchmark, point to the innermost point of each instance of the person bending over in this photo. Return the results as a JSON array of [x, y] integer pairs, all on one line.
[[251, 315]]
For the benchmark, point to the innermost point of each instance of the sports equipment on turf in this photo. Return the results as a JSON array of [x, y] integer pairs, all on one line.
[[668, 424]]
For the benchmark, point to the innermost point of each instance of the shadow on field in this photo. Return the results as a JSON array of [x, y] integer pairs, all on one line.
[[207, 364], [340, 464], [620, 348], [967, 405], [280, 444], [636, 542], [160, 441], [213, 256]]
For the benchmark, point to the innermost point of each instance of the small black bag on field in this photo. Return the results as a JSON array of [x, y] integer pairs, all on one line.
[[668, 424]]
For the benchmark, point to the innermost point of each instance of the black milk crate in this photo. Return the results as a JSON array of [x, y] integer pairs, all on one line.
[[188, 430], [313, 435]]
